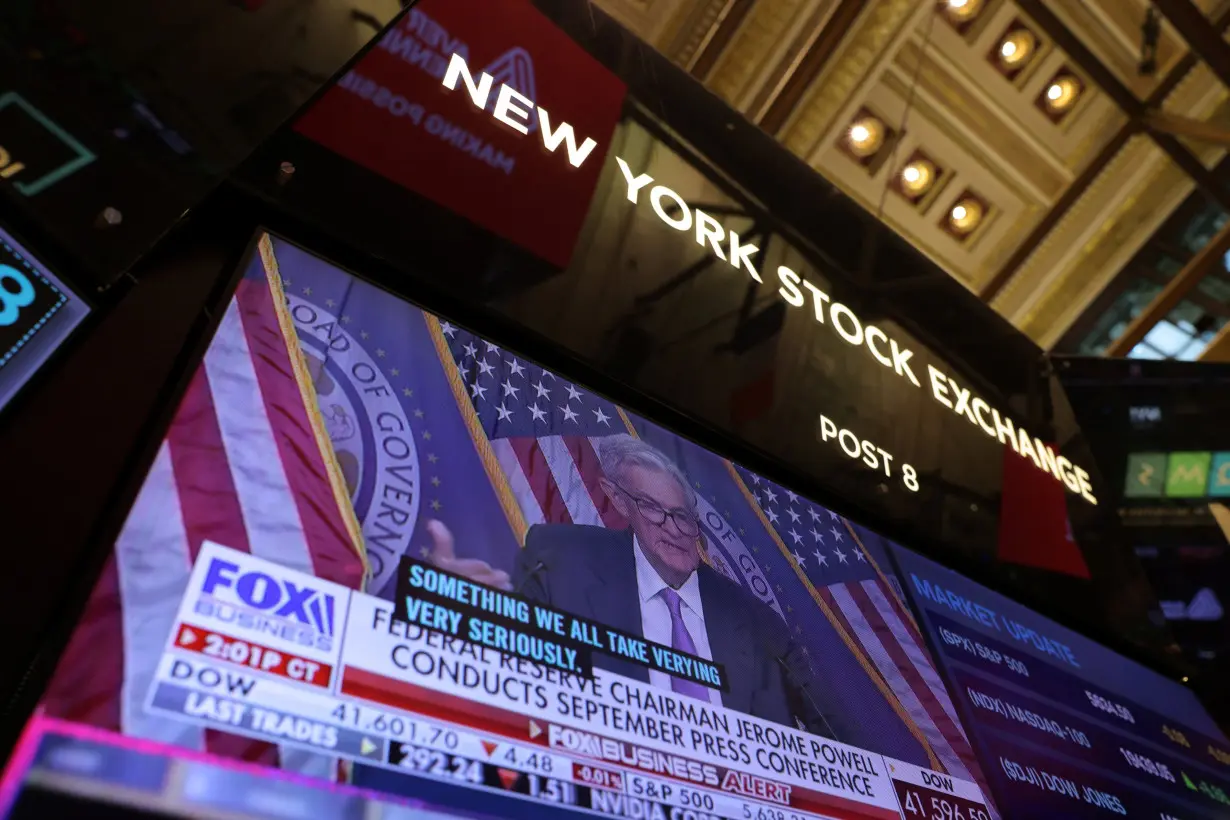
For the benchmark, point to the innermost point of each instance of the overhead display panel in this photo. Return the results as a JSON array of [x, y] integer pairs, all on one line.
[[1066, 727], [1158, 431], [374, 538], [37, 313]]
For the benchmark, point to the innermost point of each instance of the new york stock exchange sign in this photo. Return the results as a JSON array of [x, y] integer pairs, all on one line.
[[517, 111]]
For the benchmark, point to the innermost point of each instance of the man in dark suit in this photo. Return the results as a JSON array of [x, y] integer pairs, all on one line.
[[650, 580]]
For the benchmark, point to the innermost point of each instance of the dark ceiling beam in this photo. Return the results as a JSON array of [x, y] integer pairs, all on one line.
[[1159, 308], [1218, 349], [817, 57], [733, 13], [1202, 35], [1135, 110]]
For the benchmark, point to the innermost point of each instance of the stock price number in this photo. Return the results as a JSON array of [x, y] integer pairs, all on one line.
[[435, 763], [1146, 764], [1176, 736], [1220, 755], [753, 812], [531, 761], [600, 778], [1212, 792], [926, 804], [399, 728], [1110, 707], [552, 791]]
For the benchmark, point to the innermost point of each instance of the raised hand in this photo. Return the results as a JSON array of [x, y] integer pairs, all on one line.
[[444, 555]]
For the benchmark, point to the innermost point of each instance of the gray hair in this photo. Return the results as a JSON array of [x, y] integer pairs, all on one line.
[[617, 452]]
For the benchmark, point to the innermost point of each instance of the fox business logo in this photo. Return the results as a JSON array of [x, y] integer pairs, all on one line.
[[258, 602]]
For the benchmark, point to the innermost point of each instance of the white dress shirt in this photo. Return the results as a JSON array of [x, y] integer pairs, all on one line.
[[656, 615]]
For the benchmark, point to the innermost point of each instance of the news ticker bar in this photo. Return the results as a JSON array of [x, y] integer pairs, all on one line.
[[211, 694], [268, 624]]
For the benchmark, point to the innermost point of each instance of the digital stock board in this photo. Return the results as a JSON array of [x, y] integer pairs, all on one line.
[[1066, 726]]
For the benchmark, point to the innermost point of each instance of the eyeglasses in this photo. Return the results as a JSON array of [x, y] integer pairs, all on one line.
[[656, 514]]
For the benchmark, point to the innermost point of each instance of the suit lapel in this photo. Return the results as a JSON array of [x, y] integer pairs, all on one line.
[[730, 639], [614, 600]]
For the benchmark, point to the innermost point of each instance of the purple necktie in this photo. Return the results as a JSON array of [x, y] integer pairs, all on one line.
[[682, 641]]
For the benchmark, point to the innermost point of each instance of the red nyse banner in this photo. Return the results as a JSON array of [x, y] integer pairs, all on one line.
[[392, 115], [1033, 520]]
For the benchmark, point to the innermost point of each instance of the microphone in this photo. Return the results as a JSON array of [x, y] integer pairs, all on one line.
[[533, 573], [793, 681]]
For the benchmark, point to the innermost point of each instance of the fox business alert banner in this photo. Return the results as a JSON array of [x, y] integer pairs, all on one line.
[[378, 550]]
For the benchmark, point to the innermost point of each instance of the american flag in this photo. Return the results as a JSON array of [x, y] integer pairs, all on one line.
[[243, 465], [841, 563], [542, 430]]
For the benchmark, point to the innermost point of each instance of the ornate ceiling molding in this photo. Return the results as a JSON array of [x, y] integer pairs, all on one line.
[[692, 28], [759, 39], [859, 60], [1101, 258]]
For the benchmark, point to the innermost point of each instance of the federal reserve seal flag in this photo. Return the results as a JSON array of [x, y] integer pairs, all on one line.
[[408, 442], [246, 463]]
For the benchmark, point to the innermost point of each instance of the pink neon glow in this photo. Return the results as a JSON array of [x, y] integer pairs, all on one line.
[[40, 726]]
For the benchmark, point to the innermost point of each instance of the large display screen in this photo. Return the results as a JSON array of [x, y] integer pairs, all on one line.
[[1067, 727], [384, 554], [37, 313]]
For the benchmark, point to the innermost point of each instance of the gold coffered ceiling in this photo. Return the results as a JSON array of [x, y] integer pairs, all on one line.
[[1068, 197]]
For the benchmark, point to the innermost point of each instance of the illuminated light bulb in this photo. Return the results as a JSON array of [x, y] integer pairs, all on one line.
[[964, 10], [965, 215], [917, 177], [1017, 48], [1062, 93], [866, 137]]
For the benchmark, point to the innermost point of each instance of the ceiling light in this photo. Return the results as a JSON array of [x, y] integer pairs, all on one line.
[[966, 215], [963, 10], [866, 137], [917, 177], [1017, 48], [1062, 93]]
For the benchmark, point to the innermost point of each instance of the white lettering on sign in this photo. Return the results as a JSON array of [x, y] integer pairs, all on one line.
[[514, 110], [872, 455]]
